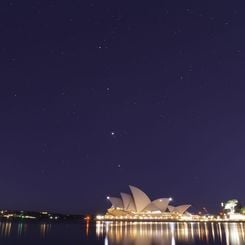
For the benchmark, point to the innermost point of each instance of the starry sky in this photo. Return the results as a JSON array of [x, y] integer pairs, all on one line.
[[97, 95]]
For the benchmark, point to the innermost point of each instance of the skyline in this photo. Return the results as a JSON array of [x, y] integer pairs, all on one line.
[[97, 96]]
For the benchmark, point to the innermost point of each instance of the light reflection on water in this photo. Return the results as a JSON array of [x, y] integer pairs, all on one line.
[[5, 228], [120, 233], [44, 229], [146, 233], [22, 228]]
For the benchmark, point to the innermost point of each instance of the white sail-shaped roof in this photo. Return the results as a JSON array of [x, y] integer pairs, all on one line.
[[161, 203], [128, 202], [179, 209], [182, 208], [171, 208], [151, 207], [141, 200], [116, 202]]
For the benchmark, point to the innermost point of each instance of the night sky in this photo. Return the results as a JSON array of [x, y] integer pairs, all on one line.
[[97, 95]]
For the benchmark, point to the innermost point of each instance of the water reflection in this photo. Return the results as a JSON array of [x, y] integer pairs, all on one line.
[[11, 228], [44, 229], [146, 233], [5, 228], [133, 233], [87, 227]]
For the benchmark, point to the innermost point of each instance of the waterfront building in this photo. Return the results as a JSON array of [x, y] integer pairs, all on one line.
[[138, 205]]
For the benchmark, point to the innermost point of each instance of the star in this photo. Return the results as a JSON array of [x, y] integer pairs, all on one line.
[[108, 91]]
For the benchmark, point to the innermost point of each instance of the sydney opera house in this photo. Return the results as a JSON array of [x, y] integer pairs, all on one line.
[[138, 205]]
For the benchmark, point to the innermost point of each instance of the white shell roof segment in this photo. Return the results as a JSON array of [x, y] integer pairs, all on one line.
[[151, 207], [161, 203], [182, 208], [141, 200], [171, 208], [179, 209], [116, 202], [128, 202]]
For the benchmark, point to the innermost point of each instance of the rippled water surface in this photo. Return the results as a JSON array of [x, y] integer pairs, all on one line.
[[138, 233]]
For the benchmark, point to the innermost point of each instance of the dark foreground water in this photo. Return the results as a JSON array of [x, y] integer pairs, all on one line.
[[132, 233]]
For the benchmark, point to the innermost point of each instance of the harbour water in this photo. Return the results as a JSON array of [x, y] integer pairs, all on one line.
[[118, 233]]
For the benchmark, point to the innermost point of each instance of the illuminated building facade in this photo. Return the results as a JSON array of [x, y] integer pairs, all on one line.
[[138, 205]]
